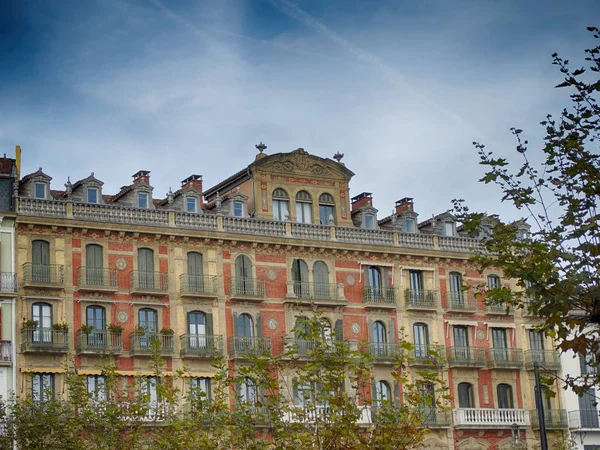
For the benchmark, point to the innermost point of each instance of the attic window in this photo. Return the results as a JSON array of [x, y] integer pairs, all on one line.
[[448, 229], [142, 200], [92, 195], [409, 226], [40, 190], [238, 209], [369, 221], [191, 205]]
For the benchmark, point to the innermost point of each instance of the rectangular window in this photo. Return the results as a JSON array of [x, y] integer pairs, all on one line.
[[96, 387], [142, 200], [200, 389], [190, 204], [369, 222], [416, 279], [92, 195], [42, 388], [280, 210], [327, 214], [409, 226], [536, 340], [448, 229], [238, 209], [303, 212], [40, 190]]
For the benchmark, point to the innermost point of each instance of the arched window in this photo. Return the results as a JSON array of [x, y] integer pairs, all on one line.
[[494, 282], [42, 314], [95, 316], [303, 207], [248, 392], [93, 265], [300, 278], [195, 272], [456, 293], [327, 209], [383, 393], [243, 276], [245, 326], [379, 338], [465, 395], [146, 268], [505, 396], [281, 205], [301, 327], [40, 253], [321, 281], [421, 340]]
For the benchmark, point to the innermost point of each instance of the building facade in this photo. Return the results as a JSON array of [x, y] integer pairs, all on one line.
[[231, 263]]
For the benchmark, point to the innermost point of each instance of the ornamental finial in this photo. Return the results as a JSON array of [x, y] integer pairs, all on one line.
[[261, 147], [338, 156]]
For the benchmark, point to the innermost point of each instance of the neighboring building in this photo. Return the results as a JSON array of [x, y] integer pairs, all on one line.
[[233, 261]]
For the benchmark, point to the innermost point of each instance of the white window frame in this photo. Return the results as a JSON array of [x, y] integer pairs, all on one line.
[[95, 190], [187, 204], [241, 206], [447, 224], [35, 186], [412, 225], [365, 218], [146, 198]]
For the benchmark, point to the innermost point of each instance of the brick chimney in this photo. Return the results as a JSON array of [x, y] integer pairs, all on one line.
[[406, 204], [362, 200], [194, 181], [143, 176]]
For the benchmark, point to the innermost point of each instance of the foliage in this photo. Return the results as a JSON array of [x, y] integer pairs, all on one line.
[[87, 329], [60, 326], [29, 323], [558, 265], [114, 328]]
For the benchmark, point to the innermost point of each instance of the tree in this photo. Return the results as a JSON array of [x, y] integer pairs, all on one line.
[[557, 264]]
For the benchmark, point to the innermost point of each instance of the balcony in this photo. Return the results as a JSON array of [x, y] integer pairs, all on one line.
[[198, 286], [584, 419], [317, 293], [461, 302], [383, 352], [505, 358], [152, 283], [97, 280], [50, 276], [8, 284], [426, 355], [47, 340], [145, 343], [302, 347], [5, 353], [466, 357], [554, 419], [438, 419], [498, 310], [99, 341], [379, 296], [201, 345], [421, 300], [247, 289], [489, 417], [242, 347], [547, 359]]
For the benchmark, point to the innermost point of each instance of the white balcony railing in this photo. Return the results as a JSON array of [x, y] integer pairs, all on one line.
[[321, 413], [490, 417]]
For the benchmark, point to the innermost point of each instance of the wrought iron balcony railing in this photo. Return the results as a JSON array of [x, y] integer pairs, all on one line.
[[461, 301], [92, 278], [99, 341], [148, 282], [240, 347], [379, 295], [547, 359], [426, 355], [198, 285], [498, 309], [247, 288], [8, 282], [302, 347], [145, 343], [435, 419], [421, 299], [584, 419], [317, 292], [47, 275], [490, 417], [382, 351], [466, 357], [44, 340], [5, 351], [505, 358], [201, 345], [553, 419]]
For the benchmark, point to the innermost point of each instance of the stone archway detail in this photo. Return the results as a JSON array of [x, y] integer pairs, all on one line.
[[433, 444], [505, 444], [473, 444]]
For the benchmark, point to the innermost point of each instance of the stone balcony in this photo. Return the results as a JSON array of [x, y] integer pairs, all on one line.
[[238, 225], [494, 418], [317, 293], [50, 276], [44, 340], [547, 359], [505, 358]]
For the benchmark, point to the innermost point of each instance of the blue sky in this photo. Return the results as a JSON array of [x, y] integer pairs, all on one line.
[[402, 88]]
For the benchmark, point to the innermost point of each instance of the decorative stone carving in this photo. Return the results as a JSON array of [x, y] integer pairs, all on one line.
[[433, 444], [121, 264], [272, 274], [473, 444], [273, 324], [350, 280], [122, 317], [356, 328]]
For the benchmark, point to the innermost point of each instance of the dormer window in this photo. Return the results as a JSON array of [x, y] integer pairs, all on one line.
[[523, 234], [327, 209], [92, 195], [191, 204], [238, 209], [409, 225], [369, 221], [448, 228], [40, 190], [142, 200]]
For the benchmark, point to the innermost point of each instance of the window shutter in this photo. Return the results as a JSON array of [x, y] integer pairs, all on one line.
[[366, 283], [235, 325], [209, 324], [296, 398], [320, 273], [386, 277], [303, 271], [339, 330], [392, 332], [374, 392], [396, 393], [371, 331], [259, 329], [582, 364]]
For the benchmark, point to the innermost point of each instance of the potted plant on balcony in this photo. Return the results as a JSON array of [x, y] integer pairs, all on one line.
[[139, 330], [61, 326], [87, 329], [30, 324], [167, 331], [114, 328]]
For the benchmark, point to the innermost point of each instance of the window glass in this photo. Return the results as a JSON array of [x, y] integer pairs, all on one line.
[[92, 194], [303, 207], [383, 393], [190, 203], [42, 388], [96, 387], [200, 388], [40, 190], [326, 209], [421, 340], [448, 229], [142, 200], [465, 395], [281, 205], [238, 209], [494, 282], [369, 222], [409, 226], [505, 397]]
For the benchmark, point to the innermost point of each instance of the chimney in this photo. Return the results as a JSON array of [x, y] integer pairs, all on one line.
[[143, 176], [362, 200], [194, 181], [406, 204]]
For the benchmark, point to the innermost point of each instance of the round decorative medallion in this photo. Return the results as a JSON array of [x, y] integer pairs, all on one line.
[[480, 334], [122, 317], [355, 326], [121, 264], [272, 274], [350, 280], [273, 323]]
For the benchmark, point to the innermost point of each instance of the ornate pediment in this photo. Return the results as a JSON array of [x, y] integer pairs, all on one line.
[[433, 444], [301, 162], [472, 443]]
